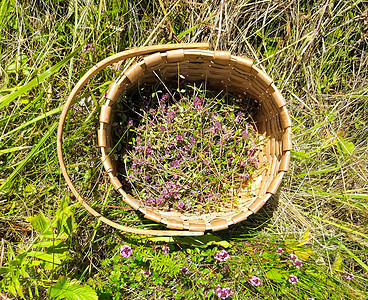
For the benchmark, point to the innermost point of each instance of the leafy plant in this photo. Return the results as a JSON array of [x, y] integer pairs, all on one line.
[[71, 290], [36, 265]]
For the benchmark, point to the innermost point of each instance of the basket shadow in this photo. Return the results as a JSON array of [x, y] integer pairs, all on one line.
[[247, 228], [254, 223]]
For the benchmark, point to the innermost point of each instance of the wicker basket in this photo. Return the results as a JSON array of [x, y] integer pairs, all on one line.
[[223, 71]]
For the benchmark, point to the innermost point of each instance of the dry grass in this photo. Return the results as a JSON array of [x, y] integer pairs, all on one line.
[[316, 53]]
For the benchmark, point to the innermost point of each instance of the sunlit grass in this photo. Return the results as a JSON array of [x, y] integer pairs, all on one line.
[[315, 52]]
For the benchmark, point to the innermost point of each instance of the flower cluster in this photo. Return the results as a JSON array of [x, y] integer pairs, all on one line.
[[279, 251], [222, 255], [165, 249], [349, 276], [255, 281], [125, 251], [223, 293], [191, 154], [297, 263], [87, 47], [293, 279]]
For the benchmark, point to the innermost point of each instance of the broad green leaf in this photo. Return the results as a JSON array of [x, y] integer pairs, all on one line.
[[40, 223], [17, 285], [290, 244], [203, 241], [276, 275], [165, 239], [305, 238], [35, 263], [293, 246], [6, 269], [22, 271], [48, 243], [338, 262], [10, 97], [345, 147], [72, 290], [303, 253], [52, 258]]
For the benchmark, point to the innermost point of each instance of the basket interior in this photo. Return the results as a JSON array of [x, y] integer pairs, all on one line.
[[221, 71]]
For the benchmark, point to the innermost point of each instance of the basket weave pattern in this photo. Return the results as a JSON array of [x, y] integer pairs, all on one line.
[[220, 70]]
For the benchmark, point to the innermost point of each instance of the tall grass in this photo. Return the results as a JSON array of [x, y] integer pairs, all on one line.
[[316, 52]]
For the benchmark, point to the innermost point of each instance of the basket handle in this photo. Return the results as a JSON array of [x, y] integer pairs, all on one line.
[[77, 88]]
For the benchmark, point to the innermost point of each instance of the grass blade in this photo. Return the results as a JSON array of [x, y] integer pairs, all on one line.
[[13, 149], [185, 32], [39, 118], [357, 259], [10, 97], [29, 156], [318, 172]]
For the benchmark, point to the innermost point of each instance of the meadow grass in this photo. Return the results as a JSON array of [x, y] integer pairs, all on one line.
[[316, 52]]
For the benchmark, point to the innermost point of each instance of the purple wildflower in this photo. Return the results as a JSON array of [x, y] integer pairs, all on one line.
[[130, 122], [293, 257], [125, 251], [298, 264], [184, 270], [87, 48], [165, 249], [165, 96], [253, 160], [217, 126], [150, 201], [197, 101], [170, 116], [120, 129], [223, 293], [149, 151], [179, 138], [239, 117], [293, 279], [349, 276], [222, 255], [255, 281], [175, 163], [160, 200], [279, 251], [184, 150], [147, 273], [166, 193], [245, 135], [244, 176], [180, 205]]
